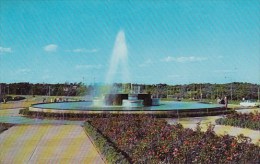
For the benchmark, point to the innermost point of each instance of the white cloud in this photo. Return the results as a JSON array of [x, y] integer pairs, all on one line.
[[146, 63], [5, 50], [174, 76], [51, 48], [88, 66], [23, 71], [225, 71], [183, 59], [46, 77], [83, 50], [168, 59]]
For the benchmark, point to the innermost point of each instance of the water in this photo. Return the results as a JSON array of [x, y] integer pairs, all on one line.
[[166, 105], [118, 65]]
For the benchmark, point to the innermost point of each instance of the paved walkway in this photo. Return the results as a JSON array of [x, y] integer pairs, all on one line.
[[13, 116], [219, 129], [47, 144], [252, 110]]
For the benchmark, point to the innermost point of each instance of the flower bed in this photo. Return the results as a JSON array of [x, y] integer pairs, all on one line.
[[107, 149], [150, 140], [251, 120]]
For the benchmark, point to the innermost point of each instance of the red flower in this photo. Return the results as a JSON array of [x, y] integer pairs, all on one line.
[[229, 158]]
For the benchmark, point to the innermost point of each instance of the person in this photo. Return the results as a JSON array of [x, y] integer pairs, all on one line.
[[226, 101], [222, 101], [218, 100]]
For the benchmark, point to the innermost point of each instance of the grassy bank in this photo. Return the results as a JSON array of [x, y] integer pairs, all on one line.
[[5, 126], [29, 100]]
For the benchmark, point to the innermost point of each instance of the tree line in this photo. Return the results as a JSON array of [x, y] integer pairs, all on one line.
[[234, 91], [25, 88]]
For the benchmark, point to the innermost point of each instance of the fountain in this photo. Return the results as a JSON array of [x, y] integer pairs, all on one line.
[[119, 58], [116, 101], [132, 101]]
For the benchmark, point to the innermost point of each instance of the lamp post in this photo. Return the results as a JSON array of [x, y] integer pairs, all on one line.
[[49, 91], [231, 94], [8, 89], [200, 93], [258, 94], [231, 88]]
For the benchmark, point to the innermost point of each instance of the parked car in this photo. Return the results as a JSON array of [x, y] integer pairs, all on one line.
[[249, 103]]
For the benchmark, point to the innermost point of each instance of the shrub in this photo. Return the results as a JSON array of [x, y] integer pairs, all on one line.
[[107, 149], [251, 120], [18, 98], [5, 126]]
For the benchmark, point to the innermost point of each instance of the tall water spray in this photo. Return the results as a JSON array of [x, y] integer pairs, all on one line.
[[118, 65]]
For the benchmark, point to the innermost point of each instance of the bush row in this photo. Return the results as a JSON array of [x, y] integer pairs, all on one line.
[[5, 126], [251, 120], [10, 98], [151, 140], [69, 116], [107, 149], [239, 123], [83, 116]]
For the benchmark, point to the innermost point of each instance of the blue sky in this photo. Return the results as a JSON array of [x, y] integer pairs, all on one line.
[[173, 42]]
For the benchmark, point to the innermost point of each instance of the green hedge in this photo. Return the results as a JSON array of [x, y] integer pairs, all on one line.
[[239, 123], [5, 126], [244, 120], [111, 154], [83, 116]]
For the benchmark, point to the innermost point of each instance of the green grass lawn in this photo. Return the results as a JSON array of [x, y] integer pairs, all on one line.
[[33, 100]]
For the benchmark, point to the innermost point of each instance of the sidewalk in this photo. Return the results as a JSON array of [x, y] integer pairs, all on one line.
[[219, 129], [47, 144], [13, 116]]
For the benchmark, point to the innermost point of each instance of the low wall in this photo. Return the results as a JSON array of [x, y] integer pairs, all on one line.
[[175, 112]]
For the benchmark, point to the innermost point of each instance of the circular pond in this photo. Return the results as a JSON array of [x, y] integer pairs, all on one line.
[[166, 107]]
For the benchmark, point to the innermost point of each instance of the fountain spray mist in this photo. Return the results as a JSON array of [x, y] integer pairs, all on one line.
[[118, 62]]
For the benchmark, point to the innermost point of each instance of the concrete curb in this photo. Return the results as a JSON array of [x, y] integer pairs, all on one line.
[[93, 143]]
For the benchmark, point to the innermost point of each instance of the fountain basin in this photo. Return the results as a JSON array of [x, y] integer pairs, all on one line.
[[165, 109], [132, 103], [98, 102], [155, 101]]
